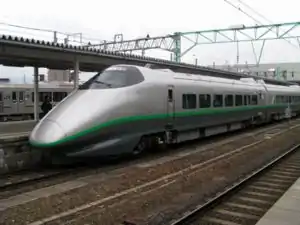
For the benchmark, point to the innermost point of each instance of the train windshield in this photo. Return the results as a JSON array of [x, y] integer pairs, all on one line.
[[114, 77]]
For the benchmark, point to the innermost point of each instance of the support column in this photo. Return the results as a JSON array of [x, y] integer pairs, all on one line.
[[76, 74], [237, 56], [177, 49], [55, 37], [36, 93]]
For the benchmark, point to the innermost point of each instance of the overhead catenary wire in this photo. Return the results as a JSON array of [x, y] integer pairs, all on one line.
[[253, 18], [255, 11], [238, 8], [29, 28]]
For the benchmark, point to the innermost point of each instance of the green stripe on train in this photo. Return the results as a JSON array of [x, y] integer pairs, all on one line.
[[123, 120]]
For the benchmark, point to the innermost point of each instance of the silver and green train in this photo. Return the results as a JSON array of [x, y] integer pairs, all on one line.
[[126, 109]]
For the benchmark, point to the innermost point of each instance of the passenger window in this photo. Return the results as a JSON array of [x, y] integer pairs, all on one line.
[[27, 95], [284, 99], [21, 96], [59, 96], [42, 96], [204, 101], [247, 100], [14, 96], [170, 95], [1, 97], [189, 101], [218, 100], [228, 100], [254, 100], [238, 100], [294, 99]]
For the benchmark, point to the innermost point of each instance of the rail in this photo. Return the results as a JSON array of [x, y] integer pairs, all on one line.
[[192, 214]]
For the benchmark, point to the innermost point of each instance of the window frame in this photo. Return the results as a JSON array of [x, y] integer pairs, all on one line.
[[206, 100], [185, 101]]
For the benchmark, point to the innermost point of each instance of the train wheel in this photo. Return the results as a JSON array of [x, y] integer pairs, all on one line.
[[140, 147]]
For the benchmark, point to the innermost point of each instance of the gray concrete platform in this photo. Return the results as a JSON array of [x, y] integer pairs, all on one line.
[[16, 153], [16, 127], [286, 211], [13, 139], [12, 136]]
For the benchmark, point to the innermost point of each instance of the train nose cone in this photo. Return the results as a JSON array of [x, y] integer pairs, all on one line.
[[47, 133]]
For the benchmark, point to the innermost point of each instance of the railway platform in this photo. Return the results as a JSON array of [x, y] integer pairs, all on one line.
[[13, 135], [286, 211], [7, 128], [15, 153]]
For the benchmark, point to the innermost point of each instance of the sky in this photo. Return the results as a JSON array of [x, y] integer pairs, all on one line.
[[101, 20]]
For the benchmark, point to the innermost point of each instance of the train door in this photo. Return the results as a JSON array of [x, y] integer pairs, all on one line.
[[28, 106], [58, 97], [7, 101], [266, 99], [15, 102], [263, 97], [170, 106], [1, 103], [169, 138], [21, 100]]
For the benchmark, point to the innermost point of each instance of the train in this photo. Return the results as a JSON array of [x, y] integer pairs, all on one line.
[[127, 109], [17, 100]]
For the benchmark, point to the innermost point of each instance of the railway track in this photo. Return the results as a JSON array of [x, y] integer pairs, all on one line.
[[247, 200], [126, 191], [28, 177], [25, 181], [12, 184]]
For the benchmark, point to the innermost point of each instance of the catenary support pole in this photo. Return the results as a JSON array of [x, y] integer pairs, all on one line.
[[76, 74], [36, 93]]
